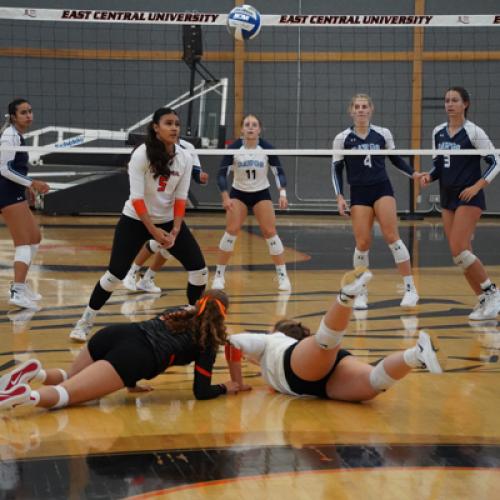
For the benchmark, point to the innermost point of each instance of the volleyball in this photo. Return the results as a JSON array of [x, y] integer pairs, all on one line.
[[243, 22]]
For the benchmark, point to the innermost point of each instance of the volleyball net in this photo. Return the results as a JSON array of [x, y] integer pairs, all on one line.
[[95, 76]]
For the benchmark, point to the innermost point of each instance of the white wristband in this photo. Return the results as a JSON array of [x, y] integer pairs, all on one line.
[[283, 193]]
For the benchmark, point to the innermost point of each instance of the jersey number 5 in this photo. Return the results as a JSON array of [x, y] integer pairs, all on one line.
[[367, 162], [251, 174], [162, 183]]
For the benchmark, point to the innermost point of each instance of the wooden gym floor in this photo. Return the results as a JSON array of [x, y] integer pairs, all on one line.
[[428, 437]]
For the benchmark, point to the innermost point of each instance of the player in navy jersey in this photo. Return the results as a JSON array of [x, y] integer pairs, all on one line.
[[159, 173], [120, 355], [16, 213], [146, 283], [372, 196], [249, 161], [461, 185]]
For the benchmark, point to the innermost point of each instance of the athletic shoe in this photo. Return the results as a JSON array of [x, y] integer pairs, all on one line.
[[17, 395], [361, 301], [129, 282], [31, 294], [21, 374], [81, 330], [410, 298], [19, 298], [426, 353], [148, 285], [487, 307], [218, 283], [354, 282], [284, 284]]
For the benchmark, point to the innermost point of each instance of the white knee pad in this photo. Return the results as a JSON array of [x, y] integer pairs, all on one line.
[[227, 242], [360, 259], [275, 245], [399, 252], [23, 254], [34, 251], [165, 253], [63, 397], [153, 246], [327, 338], [109, 281], [465, 259], [379, 379], [198, 278]]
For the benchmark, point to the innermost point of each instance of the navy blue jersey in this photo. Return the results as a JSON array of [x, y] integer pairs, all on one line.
[[14, 164], [457, 171], [365, 169], [250, 167]]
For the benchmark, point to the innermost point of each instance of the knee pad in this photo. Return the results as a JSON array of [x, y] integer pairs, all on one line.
[[399, 252], [360, 259], [379, 379], [23, 254], [227, 242], [275, 245], [153, 246], [63, 397], [465, 259], [165, 253], [109, 281], [327, 338], [198, 278]]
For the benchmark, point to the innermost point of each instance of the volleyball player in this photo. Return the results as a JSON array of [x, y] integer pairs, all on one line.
[[16, 213], [249, 161], [146, 283], [120, 355], [461, 186], [372, 196], [159, 172], [293, 361]]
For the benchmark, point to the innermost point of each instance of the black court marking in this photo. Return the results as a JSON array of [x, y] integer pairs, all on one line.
[[114, 476]]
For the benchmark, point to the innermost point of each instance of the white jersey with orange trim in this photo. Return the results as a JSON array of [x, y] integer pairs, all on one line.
[[158, 194], [268, 350]]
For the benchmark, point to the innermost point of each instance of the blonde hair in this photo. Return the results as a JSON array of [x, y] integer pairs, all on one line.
[[366, 97]]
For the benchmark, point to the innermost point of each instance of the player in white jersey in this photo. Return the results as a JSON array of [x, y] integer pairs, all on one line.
[[146, 282], [294, 362], [16, 213], [160, 173], [462, 197], [249, 161], [372, 196]]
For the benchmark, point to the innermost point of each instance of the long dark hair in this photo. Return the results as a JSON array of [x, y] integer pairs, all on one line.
[[464, 94], [159, 158], [11, 109], [292, 329], [205, 321]]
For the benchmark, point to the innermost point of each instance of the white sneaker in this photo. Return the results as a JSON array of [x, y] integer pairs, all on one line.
[[284, 284], [81, 330], [129, 282], [354, 282], [218, 283], [487, 307], [427, 353], [31, 294], [20, 299], [361, 301], [148, 285], [15, 396], [21, 374], [410, 298]]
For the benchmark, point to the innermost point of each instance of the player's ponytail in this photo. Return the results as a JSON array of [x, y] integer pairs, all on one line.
[[292, 329], [159, 158]]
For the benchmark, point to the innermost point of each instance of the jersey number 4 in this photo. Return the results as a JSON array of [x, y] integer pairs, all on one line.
[[251, 174], [162, 183], [367, 162]]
